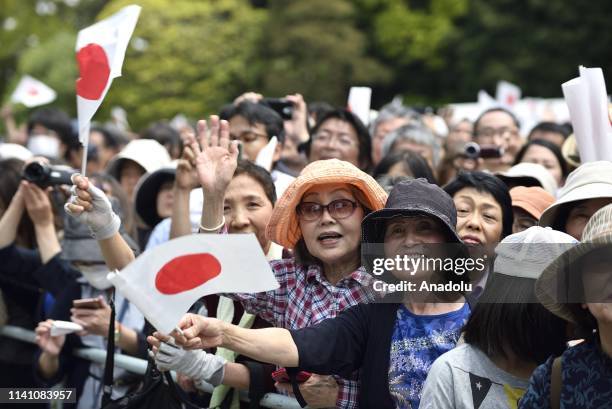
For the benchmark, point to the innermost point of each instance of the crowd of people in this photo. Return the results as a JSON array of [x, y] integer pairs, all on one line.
[[532, 329]]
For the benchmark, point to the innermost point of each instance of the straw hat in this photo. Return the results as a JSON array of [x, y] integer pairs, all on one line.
[[529, 174], [569, 150], [553, 286], [283, 227], [148, 153], [591, 180], [534, 200]]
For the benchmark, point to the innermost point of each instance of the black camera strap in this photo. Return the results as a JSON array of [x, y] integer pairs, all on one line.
[[110, 354]]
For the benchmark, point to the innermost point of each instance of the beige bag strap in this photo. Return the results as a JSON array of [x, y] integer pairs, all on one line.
[[555, 384]]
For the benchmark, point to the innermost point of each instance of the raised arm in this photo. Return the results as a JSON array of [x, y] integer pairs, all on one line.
[[91, 206], [9, 222], [216, 159], [185, 181]]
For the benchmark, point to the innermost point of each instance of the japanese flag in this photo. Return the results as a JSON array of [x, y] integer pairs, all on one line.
[[32, 93], [507, 94], [166, 281], [100, 50]]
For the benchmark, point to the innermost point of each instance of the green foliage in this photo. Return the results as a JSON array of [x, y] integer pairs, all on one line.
[[537, 44], [194, 57], [407, 34], [314, 47]]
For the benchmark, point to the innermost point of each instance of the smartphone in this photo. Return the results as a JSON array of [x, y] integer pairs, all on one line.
[[282, 106], [89, 303], [282, 376]]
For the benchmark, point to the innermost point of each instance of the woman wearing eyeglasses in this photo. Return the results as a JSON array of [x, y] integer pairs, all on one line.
[[319, 218]]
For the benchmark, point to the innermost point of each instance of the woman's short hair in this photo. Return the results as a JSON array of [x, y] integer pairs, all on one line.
[[527, 330], [10, 177], [551, 147], [486, 183], [260, 175]]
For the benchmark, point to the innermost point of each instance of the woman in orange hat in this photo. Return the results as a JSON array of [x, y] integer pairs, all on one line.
[[319, 218]]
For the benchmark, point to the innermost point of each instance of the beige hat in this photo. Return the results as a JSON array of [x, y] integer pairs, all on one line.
[[569, 150], [148, 153], [524, 170], [553, 288], [592, 180]]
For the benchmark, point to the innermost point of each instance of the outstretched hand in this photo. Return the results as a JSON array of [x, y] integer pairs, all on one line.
[[215, 156], [197, 332]]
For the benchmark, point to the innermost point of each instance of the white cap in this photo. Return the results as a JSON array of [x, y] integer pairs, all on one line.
[[528, 253], [14, 151], [531, 170], [148, 153]]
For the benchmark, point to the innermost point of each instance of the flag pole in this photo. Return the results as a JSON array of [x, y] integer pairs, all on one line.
[[84, 161]]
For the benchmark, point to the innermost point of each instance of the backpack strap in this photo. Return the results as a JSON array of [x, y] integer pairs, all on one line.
[[555, 384]]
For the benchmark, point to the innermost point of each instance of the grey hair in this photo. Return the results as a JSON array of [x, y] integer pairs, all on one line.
[[394, 109], [415, 133]]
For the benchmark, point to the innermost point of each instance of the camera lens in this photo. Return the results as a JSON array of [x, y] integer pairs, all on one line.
[[34, 172]]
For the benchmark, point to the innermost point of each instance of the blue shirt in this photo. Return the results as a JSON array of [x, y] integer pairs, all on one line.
[[416, 343], [586, 380]]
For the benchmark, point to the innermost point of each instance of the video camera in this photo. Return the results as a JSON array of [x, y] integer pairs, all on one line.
[[474, 151], [46, 175]]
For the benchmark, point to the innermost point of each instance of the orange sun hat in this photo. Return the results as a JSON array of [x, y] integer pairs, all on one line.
[[283, 227]]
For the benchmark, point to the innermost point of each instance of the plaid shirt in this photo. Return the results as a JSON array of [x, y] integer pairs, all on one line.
[[305, 298]]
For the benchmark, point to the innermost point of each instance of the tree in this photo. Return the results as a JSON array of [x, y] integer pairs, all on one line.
[[314, 47], [186, 57], [537, 44]]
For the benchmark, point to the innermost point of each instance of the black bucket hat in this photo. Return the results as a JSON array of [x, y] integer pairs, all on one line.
[[409, 198], [147, 190]]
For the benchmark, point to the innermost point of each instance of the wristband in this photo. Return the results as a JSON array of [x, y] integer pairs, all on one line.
[[202, 228]]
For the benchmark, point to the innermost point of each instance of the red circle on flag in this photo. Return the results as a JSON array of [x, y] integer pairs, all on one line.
[[185, 273], [94, 71]]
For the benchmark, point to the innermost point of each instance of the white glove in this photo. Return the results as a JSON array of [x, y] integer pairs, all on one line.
[[196, 364], [102, 221]]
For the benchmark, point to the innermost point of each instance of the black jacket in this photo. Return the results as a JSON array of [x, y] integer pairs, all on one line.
[[357, 339]]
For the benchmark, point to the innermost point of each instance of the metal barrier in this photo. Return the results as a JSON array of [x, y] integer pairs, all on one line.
[[138, 366]]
